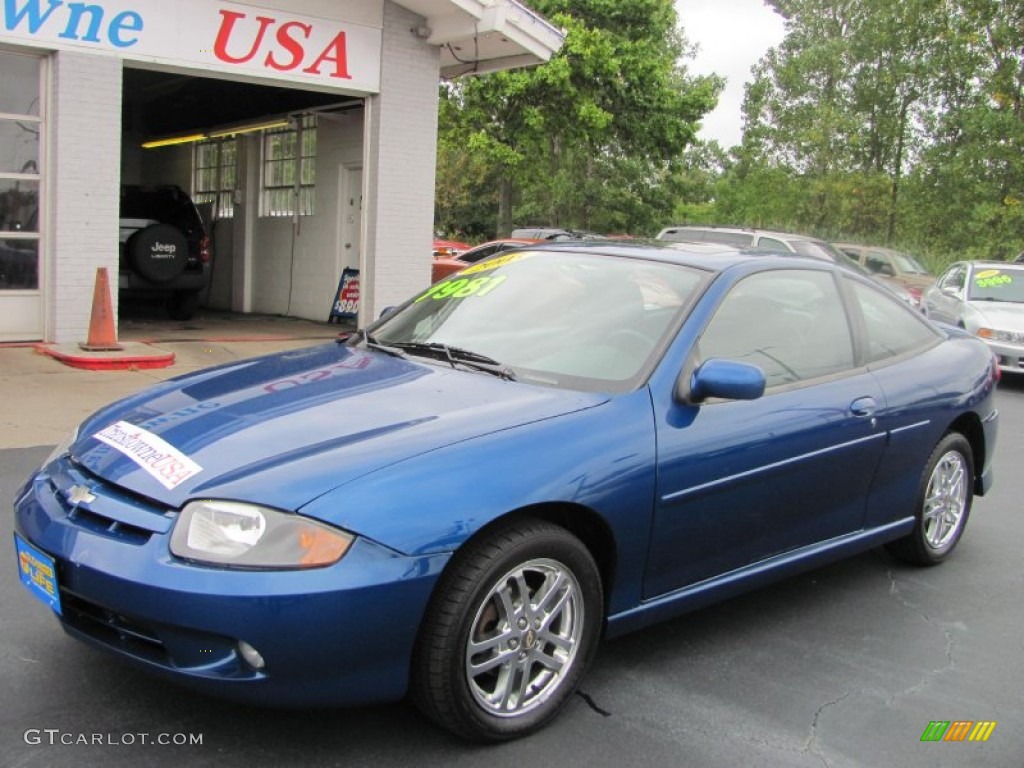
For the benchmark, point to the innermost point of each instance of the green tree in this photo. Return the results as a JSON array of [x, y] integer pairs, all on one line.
[[586, 139]]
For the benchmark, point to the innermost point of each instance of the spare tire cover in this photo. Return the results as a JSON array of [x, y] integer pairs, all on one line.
[[158, 253]]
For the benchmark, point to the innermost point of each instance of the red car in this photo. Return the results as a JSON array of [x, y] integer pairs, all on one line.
[[446, 265], [446, 248]]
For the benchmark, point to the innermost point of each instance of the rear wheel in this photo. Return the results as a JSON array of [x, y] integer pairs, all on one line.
[[509, 633], [944, 503]]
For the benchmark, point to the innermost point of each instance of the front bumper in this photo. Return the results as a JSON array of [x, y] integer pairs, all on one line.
[[329, 636], [191, 279], [1010, 356]]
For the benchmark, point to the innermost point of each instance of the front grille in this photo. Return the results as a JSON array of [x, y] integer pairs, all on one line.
[[94, 505], [112, 629], [107, 527]]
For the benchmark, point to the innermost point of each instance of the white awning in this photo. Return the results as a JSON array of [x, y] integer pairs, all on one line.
[[477, 36]]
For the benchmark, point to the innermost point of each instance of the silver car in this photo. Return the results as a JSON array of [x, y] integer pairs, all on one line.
[[986, 298]]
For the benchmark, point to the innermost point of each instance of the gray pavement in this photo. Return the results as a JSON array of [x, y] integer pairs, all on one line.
[[42, 399]]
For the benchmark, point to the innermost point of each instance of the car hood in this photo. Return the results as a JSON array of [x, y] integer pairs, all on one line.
[[921, 282], [1004, 317], [284, 429]]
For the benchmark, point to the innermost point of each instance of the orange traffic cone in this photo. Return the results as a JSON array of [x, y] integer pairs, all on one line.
[[101, 323]]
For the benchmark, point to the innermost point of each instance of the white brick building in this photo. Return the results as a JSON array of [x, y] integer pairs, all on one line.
[[337, 97]]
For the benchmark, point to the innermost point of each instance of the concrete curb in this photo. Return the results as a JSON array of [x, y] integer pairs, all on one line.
[[133, 356]]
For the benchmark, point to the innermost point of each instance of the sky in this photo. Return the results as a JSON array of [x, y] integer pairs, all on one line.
[[732, 35]]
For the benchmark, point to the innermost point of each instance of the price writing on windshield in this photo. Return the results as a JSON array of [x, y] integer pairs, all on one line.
[[464, 287], [990, 278]]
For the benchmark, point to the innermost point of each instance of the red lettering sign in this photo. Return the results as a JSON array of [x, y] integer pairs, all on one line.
[[285, 50]]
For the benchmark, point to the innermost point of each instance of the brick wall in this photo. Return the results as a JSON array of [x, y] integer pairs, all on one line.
[[85, 126], [399, 167]]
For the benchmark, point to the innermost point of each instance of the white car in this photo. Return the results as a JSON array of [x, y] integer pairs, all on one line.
[[986, 298]]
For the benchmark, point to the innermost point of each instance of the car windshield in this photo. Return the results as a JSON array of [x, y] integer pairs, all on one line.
[[907, 264], [818, 250], [567, 319], [998, 284]]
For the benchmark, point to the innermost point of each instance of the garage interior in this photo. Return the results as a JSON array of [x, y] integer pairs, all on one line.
[[274, 264]]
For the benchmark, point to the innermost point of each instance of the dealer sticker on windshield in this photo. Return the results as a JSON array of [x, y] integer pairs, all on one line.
[[159, 458], [990, 278]]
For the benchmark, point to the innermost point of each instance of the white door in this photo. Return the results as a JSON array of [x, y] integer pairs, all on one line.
[[351, 212]]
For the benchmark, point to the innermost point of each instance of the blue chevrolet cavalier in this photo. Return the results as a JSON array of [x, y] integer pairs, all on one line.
[[458, 501]]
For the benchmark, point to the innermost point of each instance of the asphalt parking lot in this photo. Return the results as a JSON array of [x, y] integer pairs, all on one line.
[[842, 666]]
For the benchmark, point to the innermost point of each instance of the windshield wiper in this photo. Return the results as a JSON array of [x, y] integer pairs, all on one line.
[[362, 337], [456, 356]]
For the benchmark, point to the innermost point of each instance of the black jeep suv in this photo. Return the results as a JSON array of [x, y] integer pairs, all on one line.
[[165, 251]]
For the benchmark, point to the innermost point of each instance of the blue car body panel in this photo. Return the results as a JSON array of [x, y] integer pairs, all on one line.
[[415, 457]]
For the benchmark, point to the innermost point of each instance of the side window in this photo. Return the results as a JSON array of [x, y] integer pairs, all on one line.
[[770, 243], [789, 323], [892, 328], [480, 253], [954, 279], [878, 264], [729, 238]]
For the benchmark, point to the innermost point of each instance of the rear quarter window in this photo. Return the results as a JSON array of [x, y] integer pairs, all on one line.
[[891, 328]]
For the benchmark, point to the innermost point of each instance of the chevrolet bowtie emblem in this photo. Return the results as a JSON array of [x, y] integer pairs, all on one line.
[[79, 494]]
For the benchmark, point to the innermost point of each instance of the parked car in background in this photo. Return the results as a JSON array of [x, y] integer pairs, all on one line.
[[165, 252], [985, 298], [892, 265], [448, 265], [457, 501], [449, 248], [783, 242], [554, 233]]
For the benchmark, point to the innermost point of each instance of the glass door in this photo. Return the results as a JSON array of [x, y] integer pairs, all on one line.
[[21, 142]]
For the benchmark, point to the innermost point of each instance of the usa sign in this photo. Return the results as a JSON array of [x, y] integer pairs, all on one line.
[[225, 37]]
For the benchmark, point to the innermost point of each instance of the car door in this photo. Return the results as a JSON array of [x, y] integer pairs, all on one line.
[[742, 481], [944, 301]]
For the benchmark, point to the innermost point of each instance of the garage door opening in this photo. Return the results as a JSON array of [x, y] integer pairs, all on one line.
[[229, 196]]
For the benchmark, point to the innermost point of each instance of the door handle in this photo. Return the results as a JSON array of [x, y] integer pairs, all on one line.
[[863, 406]]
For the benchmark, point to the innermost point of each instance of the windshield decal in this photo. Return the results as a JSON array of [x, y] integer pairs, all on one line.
[[500, 261], [463, 288], [990, 278]]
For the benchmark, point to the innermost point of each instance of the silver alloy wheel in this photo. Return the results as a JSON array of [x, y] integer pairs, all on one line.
[[945, 500], [524, 637]]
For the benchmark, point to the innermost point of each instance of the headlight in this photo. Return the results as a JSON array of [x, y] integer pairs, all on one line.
[[62, 447], [1011, 337], [250, 536]]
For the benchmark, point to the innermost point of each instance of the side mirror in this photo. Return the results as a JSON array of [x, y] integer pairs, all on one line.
[[726, 379], [386, 311]]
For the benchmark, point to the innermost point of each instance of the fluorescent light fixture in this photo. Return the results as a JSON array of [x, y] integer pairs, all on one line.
[[265, 126], [173, 140], [219, 133]]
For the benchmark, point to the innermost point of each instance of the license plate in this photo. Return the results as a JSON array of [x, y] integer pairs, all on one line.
[[38, 572]]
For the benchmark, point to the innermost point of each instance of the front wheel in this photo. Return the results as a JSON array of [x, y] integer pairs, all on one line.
[[509, 633], [944, 503]]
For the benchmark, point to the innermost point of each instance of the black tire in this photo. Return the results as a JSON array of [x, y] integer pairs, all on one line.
[[496, 704], [943, 503], [182, 305], [158, 253]]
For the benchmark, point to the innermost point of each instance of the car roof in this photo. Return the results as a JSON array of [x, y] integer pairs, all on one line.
[[711, 257], [740, 230], [863, 247]]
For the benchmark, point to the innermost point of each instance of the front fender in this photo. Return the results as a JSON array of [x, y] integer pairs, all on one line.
[[602, 458]]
